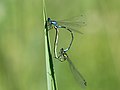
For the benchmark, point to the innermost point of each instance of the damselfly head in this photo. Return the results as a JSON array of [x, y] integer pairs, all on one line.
[[49, 19], [61, 50], [63, 55]]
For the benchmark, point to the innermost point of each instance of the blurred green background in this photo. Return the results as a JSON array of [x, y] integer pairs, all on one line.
[[95, 53]]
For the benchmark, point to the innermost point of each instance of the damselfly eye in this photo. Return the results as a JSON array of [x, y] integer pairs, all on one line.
[[49, 19]]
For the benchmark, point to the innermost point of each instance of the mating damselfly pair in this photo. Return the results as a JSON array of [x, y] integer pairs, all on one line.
[[71, 25]]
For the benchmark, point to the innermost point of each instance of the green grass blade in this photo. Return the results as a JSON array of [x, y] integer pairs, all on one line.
[[51, 81]]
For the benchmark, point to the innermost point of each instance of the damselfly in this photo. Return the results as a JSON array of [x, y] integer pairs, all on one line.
[[71, 24], [64, 56]]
